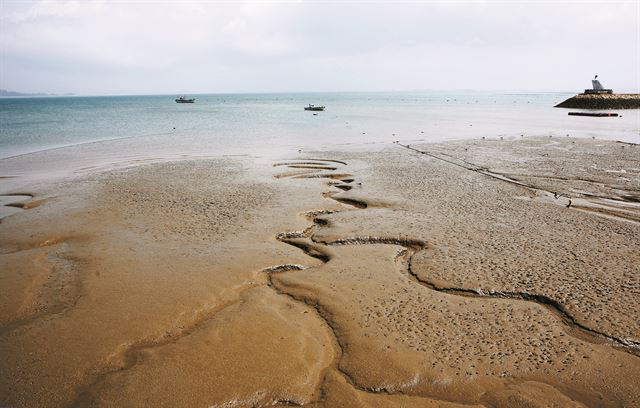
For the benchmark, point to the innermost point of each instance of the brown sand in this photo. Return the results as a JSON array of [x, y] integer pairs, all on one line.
[[393, 278]]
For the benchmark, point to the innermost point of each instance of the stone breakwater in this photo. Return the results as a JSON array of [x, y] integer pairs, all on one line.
[[602, 101]]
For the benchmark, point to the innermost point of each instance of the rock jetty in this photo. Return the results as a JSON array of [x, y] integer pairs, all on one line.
[[602, 101]]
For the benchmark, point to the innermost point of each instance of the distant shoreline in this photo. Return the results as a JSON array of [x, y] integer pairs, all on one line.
[[12, 94]]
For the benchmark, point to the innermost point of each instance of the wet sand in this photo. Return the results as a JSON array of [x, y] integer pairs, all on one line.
[[431, 275]]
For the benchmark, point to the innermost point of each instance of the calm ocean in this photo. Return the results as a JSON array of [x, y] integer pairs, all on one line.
[[245, 123]]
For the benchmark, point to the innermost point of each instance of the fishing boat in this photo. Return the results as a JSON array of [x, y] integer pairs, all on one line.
[[182, 99], [313, 108]]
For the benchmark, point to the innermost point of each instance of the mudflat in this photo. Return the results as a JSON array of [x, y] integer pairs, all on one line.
[[495, 273]]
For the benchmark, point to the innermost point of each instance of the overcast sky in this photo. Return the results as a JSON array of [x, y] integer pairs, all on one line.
[[141, 47]]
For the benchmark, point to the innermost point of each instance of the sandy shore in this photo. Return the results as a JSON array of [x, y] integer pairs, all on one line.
[[475, 273]]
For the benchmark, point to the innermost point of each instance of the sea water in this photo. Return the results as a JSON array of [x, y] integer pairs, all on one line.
[[256, 123]]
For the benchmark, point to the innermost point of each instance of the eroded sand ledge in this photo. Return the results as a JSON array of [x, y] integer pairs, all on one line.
[[439, 276]]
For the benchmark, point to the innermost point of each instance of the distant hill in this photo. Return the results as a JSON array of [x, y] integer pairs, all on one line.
[[4, 92]]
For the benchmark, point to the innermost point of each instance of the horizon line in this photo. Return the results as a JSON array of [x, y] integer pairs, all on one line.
[[70, 94]]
